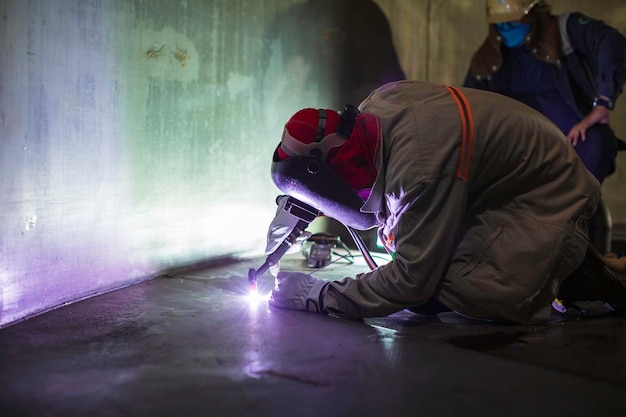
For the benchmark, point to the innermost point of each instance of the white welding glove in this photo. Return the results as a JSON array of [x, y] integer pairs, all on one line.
[[298, 291], [282, 225]]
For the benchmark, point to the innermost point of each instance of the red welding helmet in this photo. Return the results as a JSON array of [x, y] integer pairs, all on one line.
[[323, 160]]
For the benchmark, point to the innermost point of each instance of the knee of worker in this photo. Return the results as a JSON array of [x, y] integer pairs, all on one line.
[[600, 227], [514, 273], [599, 151]]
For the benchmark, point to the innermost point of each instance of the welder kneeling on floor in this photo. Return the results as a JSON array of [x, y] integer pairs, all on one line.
[[480, 199]]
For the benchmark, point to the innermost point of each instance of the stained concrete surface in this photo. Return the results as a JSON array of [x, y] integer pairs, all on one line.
[[191, 344]]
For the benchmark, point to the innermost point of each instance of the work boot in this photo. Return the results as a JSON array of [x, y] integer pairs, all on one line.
[[594, 281], [431, 307]]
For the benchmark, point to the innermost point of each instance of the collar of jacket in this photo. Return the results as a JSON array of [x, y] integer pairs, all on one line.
[[543, 41]]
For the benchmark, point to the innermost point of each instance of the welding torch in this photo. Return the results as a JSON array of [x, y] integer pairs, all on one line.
[[306, 214]]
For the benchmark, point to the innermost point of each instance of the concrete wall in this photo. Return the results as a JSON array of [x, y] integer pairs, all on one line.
[[132, 143], [135, 136]]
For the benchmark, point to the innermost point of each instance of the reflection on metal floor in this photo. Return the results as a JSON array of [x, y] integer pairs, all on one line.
[[191, 344]]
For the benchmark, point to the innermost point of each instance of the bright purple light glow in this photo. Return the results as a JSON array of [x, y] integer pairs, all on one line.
[[255, 298]]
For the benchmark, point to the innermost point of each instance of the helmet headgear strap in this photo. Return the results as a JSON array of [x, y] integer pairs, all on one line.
[[347, 119], [321, 125], [323, 143]]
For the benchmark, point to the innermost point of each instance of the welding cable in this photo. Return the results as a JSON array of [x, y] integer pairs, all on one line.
[[363, 248], [347, 256]]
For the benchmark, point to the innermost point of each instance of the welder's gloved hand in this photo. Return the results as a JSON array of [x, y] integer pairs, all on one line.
[[282, 225], [298, 291]]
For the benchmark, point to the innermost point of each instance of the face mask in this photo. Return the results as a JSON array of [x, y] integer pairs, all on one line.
[[513, 33]]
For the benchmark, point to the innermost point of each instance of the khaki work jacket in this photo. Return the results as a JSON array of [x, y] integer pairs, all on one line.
[[482, 200]]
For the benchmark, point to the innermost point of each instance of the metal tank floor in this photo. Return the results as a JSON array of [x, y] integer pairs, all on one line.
[[191, 344]]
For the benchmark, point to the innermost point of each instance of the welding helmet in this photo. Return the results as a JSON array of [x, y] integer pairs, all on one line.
[[508, 10], [321, 161]]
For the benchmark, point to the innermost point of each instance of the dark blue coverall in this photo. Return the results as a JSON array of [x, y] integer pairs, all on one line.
[[585, 59]]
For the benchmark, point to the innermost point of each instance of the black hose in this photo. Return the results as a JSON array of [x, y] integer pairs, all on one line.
[[363, 248]]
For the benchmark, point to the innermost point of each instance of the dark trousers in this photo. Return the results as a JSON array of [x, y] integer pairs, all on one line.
[[598, 151]]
